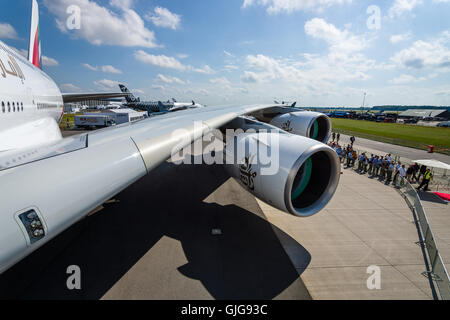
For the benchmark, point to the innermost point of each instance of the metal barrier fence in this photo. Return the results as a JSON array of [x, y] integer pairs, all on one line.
[[438, 271]]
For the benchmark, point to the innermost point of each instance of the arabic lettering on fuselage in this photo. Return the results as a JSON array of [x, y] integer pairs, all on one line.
[[11, 69]]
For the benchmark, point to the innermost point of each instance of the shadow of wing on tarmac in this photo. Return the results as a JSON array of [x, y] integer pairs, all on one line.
[[246, 262]]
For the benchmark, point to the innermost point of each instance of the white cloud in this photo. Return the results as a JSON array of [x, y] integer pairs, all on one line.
[[156, 87], [250, 77], [102, 26], [205, 70], [396, 38], [182, 56], [162, 17], [341, 41], [167, 79], [111, 69], [406, 79], [221, 81], [138, 91], [313, 75], [122, 4], [277, 6], [49, 62], [106, 84], [163, 61], [230, 67], [159, 61], [68, 87], [87, 65], [426, 54], [402, 6], [106, 69], [7, 31], [228, 54]]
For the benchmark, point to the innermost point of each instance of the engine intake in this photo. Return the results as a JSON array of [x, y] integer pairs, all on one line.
[[314, 125], [307, 177]]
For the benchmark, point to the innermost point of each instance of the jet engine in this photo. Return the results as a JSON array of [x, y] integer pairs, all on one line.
[[292, 173], [312, 125]]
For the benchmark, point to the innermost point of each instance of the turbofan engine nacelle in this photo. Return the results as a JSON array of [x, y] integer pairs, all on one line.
[[306, 178], [312, 125]]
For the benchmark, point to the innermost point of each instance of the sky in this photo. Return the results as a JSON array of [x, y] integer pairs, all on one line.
[[223, 52]]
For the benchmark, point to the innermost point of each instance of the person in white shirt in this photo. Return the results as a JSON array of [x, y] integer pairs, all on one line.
[[402, 172]]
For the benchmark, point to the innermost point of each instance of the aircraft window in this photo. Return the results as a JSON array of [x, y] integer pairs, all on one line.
[[3, 107], [9, 107], [14, 107]]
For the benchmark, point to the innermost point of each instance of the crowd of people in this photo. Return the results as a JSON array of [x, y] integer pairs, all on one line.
[[385, 168]]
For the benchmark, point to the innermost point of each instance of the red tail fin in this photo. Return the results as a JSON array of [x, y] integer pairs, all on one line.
[[34, 52]]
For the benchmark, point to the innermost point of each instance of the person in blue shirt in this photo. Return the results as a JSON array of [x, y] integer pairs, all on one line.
[[349, 158], [339, 152], [376, 162]]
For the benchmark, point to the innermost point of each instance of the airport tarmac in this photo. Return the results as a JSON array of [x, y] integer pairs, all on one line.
[[190, 232]]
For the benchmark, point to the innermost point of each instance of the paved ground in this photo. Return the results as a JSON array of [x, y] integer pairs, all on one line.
[[438, 212], [365, 224]]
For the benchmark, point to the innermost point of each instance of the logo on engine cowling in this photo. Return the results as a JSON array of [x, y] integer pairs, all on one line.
[[287, 126], [247, 174]]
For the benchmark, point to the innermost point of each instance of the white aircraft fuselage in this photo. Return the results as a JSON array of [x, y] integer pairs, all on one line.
[[31, 103]]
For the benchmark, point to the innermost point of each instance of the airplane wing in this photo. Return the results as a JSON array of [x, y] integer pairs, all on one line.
[[78, 97], [56, 185]]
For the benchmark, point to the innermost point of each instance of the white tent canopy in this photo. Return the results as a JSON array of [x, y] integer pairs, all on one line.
[[433, 164]]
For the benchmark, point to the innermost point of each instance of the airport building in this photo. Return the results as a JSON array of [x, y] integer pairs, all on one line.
[[124, 115], [420, 114]]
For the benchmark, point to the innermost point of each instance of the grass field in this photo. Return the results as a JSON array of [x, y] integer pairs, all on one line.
[[405, 135]]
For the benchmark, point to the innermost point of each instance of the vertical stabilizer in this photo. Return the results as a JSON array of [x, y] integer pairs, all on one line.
[[34, 52], [130, 98]]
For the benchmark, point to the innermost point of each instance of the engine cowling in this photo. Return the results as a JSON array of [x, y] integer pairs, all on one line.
[[307, 177], [312, 125]]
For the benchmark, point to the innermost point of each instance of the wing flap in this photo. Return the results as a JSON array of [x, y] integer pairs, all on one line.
[[17, 158]]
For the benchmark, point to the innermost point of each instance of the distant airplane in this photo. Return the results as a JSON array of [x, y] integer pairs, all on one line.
[[292, 105], [187, 104], [155, 106]]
